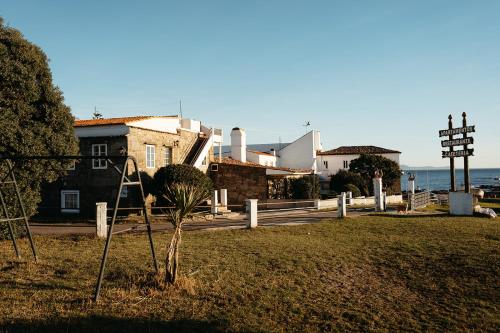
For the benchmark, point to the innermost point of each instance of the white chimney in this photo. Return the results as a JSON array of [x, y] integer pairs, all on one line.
[[239, 144], [273, 152]]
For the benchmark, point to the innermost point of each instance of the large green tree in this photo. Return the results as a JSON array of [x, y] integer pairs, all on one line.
[[344, 180], [33, 117], [366, 165]]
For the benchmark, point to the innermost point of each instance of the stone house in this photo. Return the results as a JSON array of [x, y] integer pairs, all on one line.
[[154, 142], [248, 180]]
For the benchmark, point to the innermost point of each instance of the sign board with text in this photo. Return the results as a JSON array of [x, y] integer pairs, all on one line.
[[458, 153], [459, 130], [457, 142]]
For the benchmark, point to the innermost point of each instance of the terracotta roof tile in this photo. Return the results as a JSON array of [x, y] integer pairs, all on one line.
[[358, 150], [113, 121]]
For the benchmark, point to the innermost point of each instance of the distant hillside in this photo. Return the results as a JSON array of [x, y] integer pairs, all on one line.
[[413, 168]]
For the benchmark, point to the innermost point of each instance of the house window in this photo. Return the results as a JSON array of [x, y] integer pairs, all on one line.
[[70, 201], [150, 156], [346, 164], [325, 163], [167, 156], [72, 166], [99, 150]]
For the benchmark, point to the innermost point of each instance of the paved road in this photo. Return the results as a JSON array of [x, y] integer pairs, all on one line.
[[265, 219]]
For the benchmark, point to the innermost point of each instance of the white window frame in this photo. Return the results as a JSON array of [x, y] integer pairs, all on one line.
[[170, 151], [153, 164], [72, 166], [63, 201], [99, 161]]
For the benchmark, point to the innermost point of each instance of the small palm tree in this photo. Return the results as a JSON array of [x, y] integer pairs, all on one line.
[[184, 198]]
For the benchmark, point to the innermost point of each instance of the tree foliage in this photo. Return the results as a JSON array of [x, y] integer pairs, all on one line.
[[366, 165], [33, 117], [353, 189], [306, 187], [165, 177], [339, 183]]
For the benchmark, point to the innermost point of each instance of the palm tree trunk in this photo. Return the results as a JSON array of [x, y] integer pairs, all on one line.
[[172, 262]]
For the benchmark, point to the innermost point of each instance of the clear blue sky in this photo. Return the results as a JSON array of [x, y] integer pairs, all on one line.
[[383, 73]]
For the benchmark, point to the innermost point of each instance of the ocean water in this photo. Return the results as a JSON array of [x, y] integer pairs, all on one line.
[[440, 179]]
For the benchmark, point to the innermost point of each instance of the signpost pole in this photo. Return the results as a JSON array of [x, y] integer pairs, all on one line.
[[452, 160], [466, 158]]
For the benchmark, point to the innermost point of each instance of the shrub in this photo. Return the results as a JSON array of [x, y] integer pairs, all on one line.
[[306, 187], [354, 189], [165, 177], [341, 179]]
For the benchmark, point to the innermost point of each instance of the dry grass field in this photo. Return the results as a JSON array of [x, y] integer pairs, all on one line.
[[367, 273]]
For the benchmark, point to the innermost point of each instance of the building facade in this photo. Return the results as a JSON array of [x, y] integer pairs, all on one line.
[[332, 161], [153, 141]]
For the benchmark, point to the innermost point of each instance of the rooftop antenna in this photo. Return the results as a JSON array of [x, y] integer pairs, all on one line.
[[180, 107], [306, 125], [96, 114]]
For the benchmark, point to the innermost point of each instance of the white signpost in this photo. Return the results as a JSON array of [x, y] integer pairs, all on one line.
[[341, 206], [377, 189]]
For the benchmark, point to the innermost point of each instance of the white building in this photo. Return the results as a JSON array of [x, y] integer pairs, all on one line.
[[332, 161], [305, 153], [262, 158], [299, 154]]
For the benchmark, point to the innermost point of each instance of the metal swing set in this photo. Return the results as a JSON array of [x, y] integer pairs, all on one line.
[[10, 179]]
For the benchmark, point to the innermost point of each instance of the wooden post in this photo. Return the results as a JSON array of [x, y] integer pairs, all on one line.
[[466, 158], [101, 219], [452, 160]]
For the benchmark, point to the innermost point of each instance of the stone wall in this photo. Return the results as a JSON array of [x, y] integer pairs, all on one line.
[[94, 185], [241, 181], [101, 185], [181, 143]]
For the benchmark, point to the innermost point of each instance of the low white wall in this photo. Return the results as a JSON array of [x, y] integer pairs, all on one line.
[[329, 203], [363, 201], [332, 203], [394, 199]]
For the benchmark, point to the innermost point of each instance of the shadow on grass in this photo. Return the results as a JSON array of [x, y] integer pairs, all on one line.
[[33, 286], [100, 324]]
